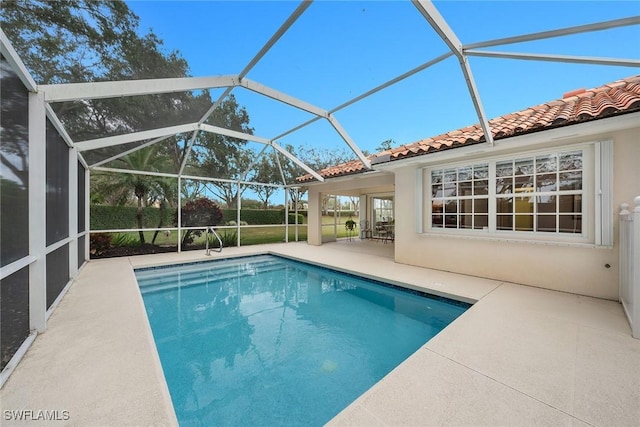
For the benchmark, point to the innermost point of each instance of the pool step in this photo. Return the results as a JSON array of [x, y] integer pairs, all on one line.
[[203, 266], [204, 276]]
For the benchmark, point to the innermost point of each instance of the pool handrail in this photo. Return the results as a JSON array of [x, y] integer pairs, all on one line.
[[206, 238]]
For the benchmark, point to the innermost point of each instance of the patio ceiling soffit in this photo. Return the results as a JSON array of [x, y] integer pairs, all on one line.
[[440, 26]]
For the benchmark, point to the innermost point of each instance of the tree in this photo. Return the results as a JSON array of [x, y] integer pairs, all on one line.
[[291, 171], [319, 159], [322, 158], [14, 121], [70, 41], [167, 196], [268, 172], [200, 212], [220, 156], [387, 144], [142, 186]]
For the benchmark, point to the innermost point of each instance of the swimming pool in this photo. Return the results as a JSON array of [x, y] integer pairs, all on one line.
[[264, 340]]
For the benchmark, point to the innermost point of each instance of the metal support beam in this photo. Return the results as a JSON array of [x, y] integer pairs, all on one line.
[[253, 162], [82, 161], [37, 212], [440, 26], [284, 180], [179, 214], [282, 97], [133, 150], [187, 152], [393, 81], [634, 20], [55, 121], [135, 172], [276, 36], [475, 98], [297, 161], [73, 213], [110, 141], [233, 133], [174, 175], [96, 90], [297, 128], [215, 105], [343, 134], [556, 58], [87, 213], [16, 63]]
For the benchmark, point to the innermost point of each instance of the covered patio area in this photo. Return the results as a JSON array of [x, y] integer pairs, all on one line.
[[519, 356]]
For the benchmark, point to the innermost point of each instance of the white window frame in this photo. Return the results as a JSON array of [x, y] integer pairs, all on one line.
[[597, 194]]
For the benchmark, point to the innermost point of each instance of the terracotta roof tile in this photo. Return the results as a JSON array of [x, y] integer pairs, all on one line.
[[619, 97]]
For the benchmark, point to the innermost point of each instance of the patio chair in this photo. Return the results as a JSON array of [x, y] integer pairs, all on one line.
[[365, 229]]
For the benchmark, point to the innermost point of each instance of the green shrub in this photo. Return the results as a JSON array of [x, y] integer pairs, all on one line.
[[99, 243], [200, 212], [259, 216], [124, 240], [124, 217], [229, 238], [292, 218]]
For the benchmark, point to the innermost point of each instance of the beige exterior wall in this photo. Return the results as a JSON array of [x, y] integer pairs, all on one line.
[[579, 269], [569, 268]]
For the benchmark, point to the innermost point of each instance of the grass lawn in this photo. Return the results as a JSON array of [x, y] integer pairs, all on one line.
[[341, 230], [249, 235]]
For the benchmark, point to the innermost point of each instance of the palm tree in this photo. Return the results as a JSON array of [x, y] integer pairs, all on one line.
[[166, 198], [143, 186]]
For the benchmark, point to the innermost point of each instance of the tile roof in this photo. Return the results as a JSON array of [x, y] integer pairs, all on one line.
[[579, 106]]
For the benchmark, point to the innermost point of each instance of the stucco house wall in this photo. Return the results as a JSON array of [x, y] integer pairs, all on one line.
[[586, 269], [580, 269]]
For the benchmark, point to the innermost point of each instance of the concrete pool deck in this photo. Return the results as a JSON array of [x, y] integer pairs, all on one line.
[[519, 356]]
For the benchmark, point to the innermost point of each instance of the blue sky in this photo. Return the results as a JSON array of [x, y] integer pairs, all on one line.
[[338, 50]]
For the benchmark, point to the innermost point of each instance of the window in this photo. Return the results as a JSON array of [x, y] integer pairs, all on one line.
[[537, 195], [460, 197], [541, 193]]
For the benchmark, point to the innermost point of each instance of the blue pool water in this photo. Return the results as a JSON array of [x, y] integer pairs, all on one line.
[[267, 341]]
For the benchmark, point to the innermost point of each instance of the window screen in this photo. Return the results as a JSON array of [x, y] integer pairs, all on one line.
[[14, 313], [57, 273], [14, 166], [57, 198]]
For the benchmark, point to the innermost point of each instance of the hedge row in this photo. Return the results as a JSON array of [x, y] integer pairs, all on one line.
[[260, 216], [119, 217], [124, 217]]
